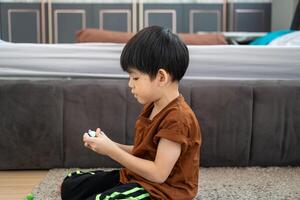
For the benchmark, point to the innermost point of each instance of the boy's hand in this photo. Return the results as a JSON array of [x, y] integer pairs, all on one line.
[[100, 144]]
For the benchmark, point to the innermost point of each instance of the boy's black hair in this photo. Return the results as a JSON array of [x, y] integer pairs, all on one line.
[[155, 48]]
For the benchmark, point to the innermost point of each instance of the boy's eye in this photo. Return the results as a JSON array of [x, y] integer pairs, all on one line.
[[135, 78]]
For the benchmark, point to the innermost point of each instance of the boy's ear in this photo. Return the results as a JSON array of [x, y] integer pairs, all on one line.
[[162, 76]]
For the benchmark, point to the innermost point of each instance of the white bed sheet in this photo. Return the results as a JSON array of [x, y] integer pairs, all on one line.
[[103, 60]]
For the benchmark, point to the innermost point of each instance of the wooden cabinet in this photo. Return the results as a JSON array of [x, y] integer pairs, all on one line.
[[67, 19], [21, 22], [115, 17], [187, 17], [166, 15], [250, 17], [220, 16], [203, 18], [31, 22], [70, 18]]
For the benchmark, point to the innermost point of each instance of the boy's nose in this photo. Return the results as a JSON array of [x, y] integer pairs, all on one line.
[[130, 83]]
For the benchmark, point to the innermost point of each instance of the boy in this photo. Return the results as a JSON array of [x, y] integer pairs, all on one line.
[[163, 163]]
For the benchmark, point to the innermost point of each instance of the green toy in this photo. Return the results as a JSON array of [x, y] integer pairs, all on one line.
[[30, 196]]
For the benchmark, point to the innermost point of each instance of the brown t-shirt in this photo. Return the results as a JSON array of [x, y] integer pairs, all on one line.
[[176, 122]]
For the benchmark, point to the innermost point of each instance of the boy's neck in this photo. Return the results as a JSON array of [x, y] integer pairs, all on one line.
[[169, 95]]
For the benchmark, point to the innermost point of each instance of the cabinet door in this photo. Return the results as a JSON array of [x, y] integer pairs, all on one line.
[[67, 19], [21, 22], [203, 18], [166, 15], [1, 28], [114, 17], [250, 17]]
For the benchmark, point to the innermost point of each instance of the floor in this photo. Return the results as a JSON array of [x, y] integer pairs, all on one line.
[[16, 185]]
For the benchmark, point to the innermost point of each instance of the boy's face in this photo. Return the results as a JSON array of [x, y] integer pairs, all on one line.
[[142, 87]]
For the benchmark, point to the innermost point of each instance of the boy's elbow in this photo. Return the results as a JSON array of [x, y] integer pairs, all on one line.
[[159, 178], [156, 175]]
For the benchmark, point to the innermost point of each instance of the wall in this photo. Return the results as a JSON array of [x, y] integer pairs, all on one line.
[[282, 13]]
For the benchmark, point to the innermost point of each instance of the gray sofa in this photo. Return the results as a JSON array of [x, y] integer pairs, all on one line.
[[243, 122]]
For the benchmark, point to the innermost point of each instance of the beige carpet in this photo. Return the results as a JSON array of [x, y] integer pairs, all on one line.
[[271, 183]]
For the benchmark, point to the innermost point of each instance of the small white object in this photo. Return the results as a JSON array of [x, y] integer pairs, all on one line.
[[92, 133]]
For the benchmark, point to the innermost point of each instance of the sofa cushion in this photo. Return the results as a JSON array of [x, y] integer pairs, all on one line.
[[276, 124], [224, 110], [89, 104], [99, 35], [133, 110], [203, 39], [31, 121]]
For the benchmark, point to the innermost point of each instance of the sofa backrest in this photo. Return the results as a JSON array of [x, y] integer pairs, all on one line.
[[243, 123]]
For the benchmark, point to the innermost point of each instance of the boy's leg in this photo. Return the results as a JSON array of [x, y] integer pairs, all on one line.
[[80, 185], [129, 191]]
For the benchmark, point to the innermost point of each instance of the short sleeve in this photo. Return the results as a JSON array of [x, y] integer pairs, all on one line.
[[175, 131]]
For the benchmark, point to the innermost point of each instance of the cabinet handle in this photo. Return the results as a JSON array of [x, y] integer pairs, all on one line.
[[141, 14], [43, 23], [225, 15], [50, 31], [134, 17]]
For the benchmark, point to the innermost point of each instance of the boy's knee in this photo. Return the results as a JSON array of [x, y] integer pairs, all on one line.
[[68, 188], [65, 188]]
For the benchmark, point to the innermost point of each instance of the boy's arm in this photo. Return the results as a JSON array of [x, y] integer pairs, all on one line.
[[158, 170], [127, 148]]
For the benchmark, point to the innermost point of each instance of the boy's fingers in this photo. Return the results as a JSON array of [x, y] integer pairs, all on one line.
[[98, 132], [87, 138]]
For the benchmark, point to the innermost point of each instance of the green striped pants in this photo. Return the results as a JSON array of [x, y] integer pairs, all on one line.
[[100, 185]]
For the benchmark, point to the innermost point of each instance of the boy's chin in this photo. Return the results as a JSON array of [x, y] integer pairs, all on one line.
[[141, 101]]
